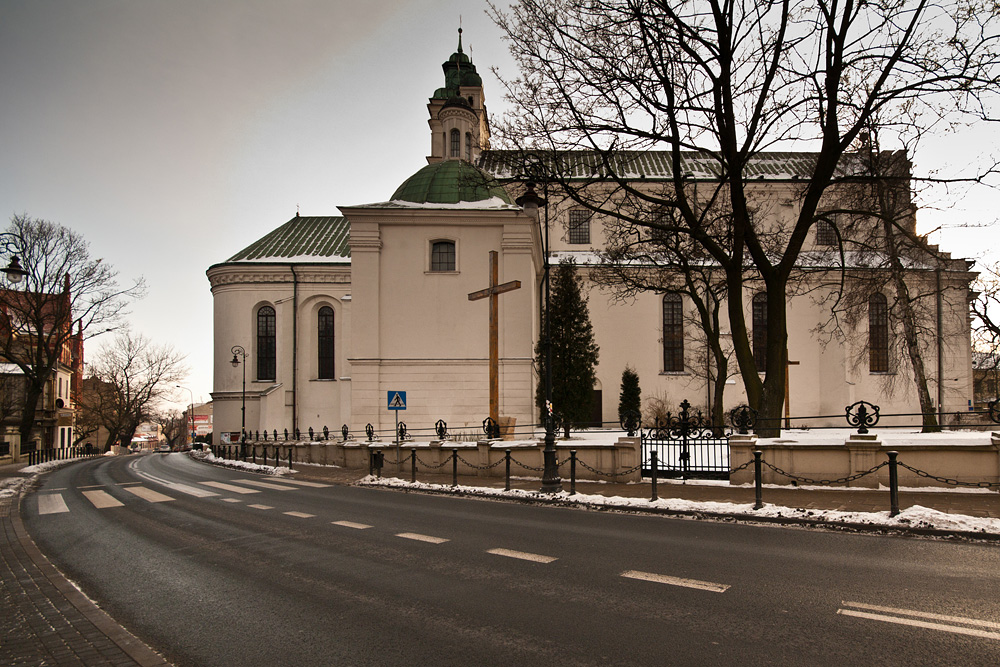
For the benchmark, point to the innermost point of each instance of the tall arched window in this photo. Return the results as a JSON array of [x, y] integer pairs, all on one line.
[[468, 146], [325, 343], [456, 143], [673, 333], [878, 334], [266, 344], [760, 331]]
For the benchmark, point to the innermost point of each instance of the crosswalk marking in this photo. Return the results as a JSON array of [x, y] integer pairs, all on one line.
[[191, 490], [231, 500], [261, 507], [422, 538], [51, 503], [299, 482], [301, 515], [267, 485], [521, 555], [351, 524], [676, 581], [229, 487], [148, 494], [102, 499]]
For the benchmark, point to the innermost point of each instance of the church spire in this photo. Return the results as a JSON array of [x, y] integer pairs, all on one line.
[[459, 125]]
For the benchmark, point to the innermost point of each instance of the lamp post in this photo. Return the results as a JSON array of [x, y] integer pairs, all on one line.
[[240, 357], [190, 414], [530, 201], [12, 245]]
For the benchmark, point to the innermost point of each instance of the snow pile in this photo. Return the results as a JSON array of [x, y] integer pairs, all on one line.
[[208, 457], [10, 486], [915, 517]]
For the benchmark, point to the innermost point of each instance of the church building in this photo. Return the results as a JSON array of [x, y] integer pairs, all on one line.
[[317, 323]]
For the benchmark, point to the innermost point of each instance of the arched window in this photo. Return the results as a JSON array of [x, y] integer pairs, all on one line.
[[760, 331], [456, 143], [443, 256], [468, 146], [673, 333], [878, 334], [266, 344], [325, 343]]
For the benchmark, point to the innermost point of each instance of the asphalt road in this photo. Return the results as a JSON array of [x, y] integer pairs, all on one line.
[[213, 567]]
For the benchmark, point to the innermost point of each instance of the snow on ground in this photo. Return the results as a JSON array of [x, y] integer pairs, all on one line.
[[208, 457], [912, 517]]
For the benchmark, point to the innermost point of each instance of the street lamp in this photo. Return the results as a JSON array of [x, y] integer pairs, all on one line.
[[13, 244], [191, 413], [240, 354], [530, 201]]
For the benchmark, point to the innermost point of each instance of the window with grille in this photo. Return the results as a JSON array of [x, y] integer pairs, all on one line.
[[878, 334], [325, 343], [579, 226], [826, 234], [266, 344], [443, 256], [468, 146], [673, 333], [456, 143], [759, 321]]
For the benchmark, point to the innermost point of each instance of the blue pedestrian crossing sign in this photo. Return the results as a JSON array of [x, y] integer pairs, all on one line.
[[397, 400]]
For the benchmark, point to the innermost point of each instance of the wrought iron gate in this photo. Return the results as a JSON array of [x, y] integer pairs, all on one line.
[[686, 446]]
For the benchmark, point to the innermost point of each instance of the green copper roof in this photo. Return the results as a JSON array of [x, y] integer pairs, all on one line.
[[450, 182], [304, 239], [458, 71]]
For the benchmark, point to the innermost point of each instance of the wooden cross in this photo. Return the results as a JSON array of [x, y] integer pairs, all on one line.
[[493, 292]]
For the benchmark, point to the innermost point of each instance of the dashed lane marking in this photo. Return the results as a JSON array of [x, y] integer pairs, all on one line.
[[889, 616], [261, 507], [676, 581], [51, 503], [102, 499], [148, 494], [521, 555], [300, 515], [422, 538], [351, 524], [267, 485], [229, 487]]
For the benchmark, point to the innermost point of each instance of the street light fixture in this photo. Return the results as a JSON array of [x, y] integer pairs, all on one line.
[[191, 413], [530, 202], [13, 244], [240, 356]]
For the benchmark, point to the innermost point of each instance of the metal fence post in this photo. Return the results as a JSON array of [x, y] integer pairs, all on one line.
[[893, 485], [757, 489], [413, 466], [654, 462], [506, 456], [572, 471], [289, 458], [454, 467]]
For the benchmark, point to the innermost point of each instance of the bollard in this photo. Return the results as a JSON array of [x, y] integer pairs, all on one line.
[[757, 487], [893, 485], [413, 466], [654, 460], [254, 456], [506, 457], [289, 458], [454, 467], [572, 471]]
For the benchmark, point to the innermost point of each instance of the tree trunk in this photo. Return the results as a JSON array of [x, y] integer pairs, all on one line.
[[26, 427]]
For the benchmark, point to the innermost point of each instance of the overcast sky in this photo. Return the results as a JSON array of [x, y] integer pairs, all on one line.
[[173, 134]]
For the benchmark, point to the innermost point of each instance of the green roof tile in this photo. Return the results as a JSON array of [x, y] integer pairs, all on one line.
[[450, 182], [304, 238]]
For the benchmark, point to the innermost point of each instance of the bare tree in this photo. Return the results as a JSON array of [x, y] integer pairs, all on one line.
[[716, 85], [134, 374], [986, 330], [65, 296], [174, 425]]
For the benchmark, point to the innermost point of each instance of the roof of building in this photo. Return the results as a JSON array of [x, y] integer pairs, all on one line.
[[458, 71], [450, 182], [303, 238], [656, 165]]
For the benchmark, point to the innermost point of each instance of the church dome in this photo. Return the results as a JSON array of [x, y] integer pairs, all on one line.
[[450, 182]]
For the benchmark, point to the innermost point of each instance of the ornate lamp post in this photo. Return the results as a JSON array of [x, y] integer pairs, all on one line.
[[530, 202], [240, 356], [13, 245]]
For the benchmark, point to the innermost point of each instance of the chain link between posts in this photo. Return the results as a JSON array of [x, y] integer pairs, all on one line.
[[608, 474], [947, 480], [825, 482], [475, 467]]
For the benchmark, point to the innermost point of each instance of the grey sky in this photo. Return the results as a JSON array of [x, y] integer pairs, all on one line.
[[172, 134]]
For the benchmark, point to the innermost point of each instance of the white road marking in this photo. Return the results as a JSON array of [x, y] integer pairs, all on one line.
[[521, 555], [899, 620], [102, 499], [422, 538], [230, 487], [317, 485], [191, 490], [267, 485], [301, 515], [351, 524], [51, 503], [231, 500], [148, 494], [261, 507], [676, 581]]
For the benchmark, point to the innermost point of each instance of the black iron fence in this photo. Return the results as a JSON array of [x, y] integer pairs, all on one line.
[[36, 456]]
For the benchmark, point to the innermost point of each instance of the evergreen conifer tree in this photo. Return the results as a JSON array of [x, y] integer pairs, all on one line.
[[574, 352], [630, 399]]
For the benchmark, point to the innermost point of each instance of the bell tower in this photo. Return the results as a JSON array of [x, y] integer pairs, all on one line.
[[460, 128]]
